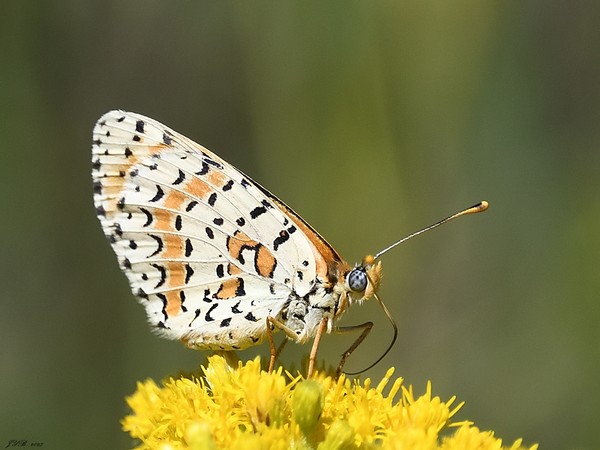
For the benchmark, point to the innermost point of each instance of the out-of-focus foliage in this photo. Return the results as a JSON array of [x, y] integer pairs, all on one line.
[[371, 119]]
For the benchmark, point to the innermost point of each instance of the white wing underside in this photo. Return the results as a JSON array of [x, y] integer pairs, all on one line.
[[205, 249]]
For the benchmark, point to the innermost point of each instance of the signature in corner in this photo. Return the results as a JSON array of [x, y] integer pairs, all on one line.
[[23, 443]]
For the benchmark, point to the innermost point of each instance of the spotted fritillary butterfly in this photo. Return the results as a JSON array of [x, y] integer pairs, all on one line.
[[217, 260]]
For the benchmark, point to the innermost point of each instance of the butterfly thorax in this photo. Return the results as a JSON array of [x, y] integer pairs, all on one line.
[[331, 297]]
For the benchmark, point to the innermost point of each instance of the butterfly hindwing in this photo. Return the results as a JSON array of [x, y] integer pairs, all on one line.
[[209, 253]]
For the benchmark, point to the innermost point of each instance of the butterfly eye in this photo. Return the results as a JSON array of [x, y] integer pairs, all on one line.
[[357, 279]]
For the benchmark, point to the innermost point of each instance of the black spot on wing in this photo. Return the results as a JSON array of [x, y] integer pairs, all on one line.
[[203, 170], [159, 245], [178, 223], [188, 273], [211, 161], [240, 292], [250, 317], [234, 308], [180, 178], [196, 315], [209, 233], [188, 248], [228, 186], [182, 298], [212, 199], [225, 322], [191, 205], [207, 316], [283, 237], [149, 217], [139, 126], [163, 274], [163, 299], [118, 230], [257, 211], [159, 194], [167, 139]]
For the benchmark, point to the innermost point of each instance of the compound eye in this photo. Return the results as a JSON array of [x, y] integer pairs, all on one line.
[[357, 280]]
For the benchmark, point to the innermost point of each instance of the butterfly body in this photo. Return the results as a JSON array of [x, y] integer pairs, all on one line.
[[211, 254]]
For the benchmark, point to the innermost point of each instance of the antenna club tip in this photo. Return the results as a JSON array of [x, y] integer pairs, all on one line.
[[479, 207], [368, 260]]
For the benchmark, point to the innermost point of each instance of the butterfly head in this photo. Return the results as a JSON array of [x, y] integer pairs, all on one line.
[[364, 279]]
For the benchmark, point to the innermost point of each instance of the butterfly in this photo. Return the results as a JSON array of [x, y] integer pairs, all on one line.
[[217, 261]]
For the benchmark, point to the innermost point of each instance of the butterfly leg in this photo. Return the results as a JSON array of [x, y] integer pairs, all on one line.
[[272, 322], [315, 346], [366, 329], [272, 358], [281, 347]]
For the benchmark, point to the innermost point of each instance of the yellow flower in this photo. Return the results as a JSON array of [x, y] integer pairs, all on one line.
[[247, 408]]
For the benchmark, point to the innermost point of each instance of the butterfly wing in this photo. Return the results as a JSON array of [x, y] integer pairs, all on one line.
[[208, 252]]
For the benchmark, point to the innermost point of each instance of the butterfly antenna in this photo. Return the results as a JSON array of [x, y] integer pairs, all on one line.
[[479, 207]]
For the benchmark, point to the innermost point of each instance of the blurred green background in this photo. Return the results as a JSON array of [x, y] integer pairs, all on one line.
[[371, 119]]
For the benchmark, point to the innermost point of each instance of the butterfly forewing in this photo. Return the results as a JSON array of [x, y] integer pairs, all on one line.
[[209, 253]]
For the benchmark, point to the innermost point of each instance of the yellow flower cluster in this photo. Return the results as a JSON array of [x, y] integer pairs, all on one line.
[[247, 408]]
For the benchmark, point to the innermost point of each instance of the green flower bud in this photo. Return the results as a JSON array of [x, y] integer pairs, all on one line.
[[339, 437], [307, 405]]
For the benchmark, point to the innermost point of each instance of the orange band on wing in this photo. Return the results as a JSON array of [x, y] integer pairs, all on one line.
[[265, 262], [198, 188], [173, 246], [229, 288], [216, 178], [173, 303]]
